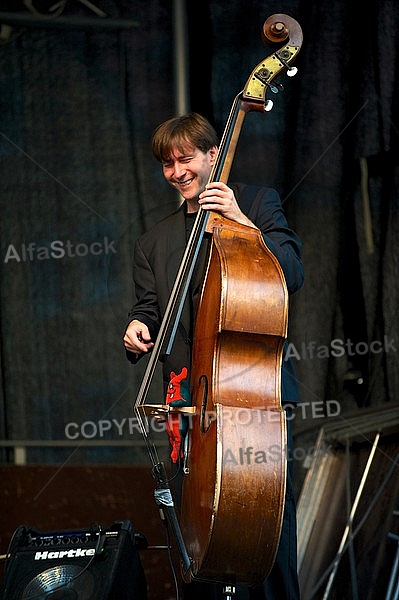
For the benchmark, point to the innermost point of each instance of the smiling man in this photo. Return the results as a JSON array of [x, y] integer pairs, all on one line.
[[187, 146]]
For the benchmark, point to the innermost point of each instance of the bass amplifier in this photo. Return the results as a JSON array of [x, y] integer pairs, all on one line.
[[90, 564]]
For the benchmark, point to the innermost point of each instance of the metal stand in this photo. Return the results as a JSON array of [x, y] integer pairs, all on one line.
[[229, 592], [164, 500], [348, 527], [393, 587]]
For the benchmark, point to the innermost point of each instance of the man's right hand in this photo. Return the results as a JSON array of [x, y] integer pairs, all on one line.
[[137, 338]]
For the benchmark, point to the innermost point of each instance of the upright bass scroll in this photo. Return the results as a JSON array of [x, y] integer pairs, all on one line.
[[278, 30]]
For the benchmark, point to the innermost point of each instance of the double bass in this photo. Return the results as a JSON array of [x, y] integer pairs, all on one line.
[[233, 491]]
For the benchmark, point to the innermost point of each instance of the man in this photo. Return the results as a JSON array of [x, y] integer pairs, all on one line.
[[187, 147]]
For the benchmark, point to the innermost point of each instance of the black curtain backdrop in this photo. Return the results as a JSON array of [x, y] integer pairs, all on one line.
[[79, 184]]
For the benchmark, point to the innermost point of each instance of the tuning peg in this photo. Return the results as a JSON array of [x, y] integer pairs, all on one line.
[[268, 106], [292, 71]]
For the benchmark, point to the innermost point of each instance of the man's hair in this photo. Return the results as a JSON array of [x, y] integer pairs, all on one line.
[[178, 132]]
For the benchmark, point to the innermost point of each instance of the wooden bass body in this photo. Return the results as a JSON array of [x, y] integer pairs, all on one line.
[[233, 494]]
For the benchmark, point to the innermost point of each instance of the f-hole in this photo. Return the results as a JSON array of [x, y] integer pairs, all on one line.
[[205, 420]]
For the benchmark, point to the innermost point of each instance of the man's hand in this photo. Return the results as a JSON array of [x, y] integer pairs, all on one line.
[[137, 338], [219, 197]]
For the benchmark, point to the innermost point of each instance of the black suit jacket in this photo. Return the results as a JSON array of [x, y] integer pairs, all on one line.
[[158, 254]]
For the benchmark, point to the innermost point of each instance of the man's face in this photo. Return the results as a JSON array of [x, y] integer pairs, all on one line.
[[188, 171]]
